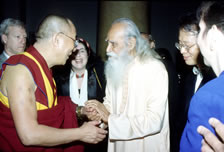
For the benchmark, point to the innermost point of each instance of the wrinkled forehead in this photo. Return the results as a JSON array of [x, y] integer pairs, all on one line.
[[15, 28], [116, 32]]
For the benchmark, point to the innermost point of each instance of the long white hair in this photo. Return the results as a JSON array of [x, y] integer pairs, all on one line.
[[143, 49]]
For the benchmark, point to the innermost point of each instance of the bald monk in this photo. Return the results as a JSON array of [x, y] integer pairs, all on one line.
[[32, 117]]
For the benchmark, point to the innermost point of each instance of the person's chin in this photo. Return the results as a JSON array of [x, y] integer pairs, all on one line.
[[190, 63], [110, 58], [20, 50]]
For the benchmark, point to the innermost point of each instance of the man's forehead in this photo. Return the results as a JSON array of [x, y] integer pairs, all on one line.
[[115, 32], [15, 27]]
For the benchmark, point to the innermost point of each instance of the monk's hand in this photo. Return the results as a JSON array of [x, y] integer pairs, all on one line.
[[100, 108], [91, 133], [212, 143], [91, 113]]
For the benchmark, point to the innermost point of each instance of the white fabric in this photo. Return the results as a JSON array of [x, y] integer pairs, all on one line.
[[77, 98], [198, 82], [198, 78], [139, 109]]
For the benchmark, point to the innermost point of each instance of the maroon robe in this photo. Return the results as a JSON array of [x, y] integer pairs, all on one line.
[[60, 116]]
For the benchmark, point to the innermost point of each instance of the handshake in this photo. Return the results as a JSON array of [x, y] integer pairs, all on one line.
[[94, 110]]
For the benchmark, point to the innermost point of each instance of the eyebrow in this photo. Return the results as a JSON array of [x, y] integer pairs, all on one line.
[[82, 49], [110, 41], [185, 42]]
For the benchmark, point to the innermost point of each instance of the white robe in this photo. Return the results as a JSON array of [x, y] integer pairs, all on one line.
[[139, 109]]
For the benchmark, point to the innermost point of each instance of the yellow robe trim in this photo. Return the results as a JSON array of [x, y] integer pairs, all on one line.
[[48, 87], [4, 99]]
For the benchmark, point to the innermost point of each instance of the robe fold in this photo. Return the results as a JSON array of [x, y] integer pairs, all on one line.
[[58, 112], [138, 120]]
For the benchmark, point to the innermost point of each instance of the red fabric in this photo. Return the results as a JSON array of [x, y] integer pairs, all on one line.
[[60, 116], [35, 71]]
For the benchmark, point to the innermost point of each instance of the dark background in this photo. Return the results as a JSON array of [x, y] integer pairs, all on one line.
[[163, 17]]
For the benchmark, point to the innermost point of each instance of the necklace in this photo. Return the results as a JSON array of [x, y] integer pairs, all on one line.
[[79, 76]]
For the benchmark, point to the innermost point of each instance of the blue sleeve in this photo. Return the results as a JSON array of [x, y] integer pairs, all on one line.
[[204, 105]]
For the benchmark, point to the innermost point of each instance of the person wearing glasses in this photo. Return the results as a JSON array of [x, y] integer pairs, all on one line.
[[33, 118], [190, 80], [82, 78], [207, 106]]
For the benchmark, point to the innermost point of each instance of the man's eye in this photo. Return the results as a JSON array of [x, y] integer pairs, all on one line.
[[114, 44]]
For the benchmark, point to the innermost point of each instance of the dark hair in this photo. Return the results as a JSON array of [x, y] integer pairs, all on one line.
[[62, 72], [212, 13], [86, 46], [91, 54], [92, 58], [189, 23]]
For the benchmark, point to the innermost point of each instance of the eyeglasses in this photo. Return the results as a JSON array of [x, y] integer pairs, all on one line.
[[76, 42], [180, 46]]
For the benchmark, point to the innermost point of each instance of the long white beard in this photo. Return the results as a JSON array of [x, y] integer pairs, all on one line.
[[115, 67]]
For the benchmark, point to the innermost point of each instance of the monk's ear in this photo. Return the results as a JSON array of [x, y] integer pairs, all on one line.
[[56, 40], [4, 38], [131, 43]]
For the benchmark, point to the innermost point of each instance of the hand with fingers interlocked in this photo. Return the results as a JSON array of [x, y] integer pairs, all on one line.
[[97, 111]]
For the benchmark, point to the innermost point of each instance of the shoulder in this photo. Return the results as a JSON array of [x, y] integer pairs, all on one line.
[[17, 71], [209, 96], [149, 63], [2, 57], [17, 76], [151, 68]]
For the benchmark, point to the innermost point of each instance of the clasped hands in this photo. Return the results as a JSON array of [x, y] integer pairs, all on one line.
[[95, 110]]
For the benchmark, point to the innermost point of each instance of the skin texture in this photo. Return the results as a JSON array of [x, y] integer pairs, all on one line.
[[115, 39], [189, 39], [15, 40], [81, 59], [211, 143], [21, 94], [116, 44]]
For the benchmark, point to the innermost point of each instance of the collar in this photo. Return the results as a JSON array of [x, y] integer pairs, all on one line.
[[196, 71], [7, 56]]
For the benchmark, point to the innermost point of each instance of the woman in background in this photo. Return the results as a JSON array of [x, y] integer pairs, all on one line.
[[82, 78]]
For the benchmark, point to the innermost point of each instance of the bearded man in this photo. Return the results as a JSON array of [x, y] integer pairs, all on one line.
[[135, 107]]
